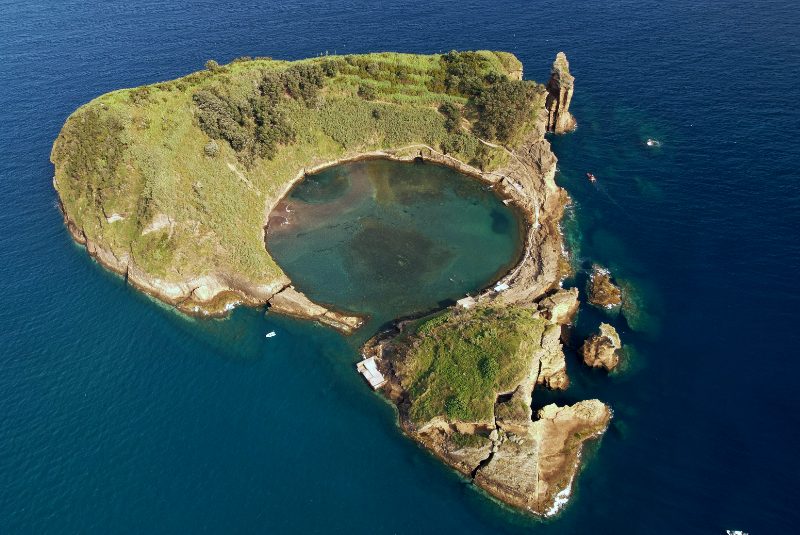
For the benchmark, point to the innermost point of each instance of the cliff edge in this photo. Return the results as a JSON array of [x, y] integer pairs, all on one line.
[[463, 379]]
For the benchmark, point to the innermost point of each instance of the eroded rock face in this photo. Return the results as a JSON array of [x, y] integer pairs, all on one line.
[[529, 463], [561, 306], [552, 363], [602, 290], [291, 302], [534, 471], [600, 350], [559, 95]]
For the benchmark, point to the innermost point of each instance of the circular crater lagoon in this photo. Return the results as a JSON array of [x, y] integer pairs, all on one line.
[[390, 239]]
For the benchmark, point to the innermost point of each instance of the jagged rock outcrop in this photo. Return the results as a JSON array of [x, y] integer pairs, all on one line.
[[561, 306], [291, 302], [600, 350], [552, 362], [601, 290], [559, 95], [527, 462], [534, 471]]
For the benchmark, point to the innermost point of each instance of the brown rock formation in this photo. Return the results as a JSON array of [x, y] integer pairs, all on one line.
[[216, 294], [561, 306], [600, 350], [293, 303], [559, 95], [527, 463], [602, 290], [534, 470]]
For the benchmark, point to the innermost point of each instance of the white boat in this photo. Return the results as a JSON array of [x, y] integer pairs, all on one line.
[[270, 334]]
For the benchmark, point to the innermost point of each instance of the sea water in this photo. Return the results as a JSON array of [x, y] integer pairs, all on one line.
[[387, 239], [118, 415]]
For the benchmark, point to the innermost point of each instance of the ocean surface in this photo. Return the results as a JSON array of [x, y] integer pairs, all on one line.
[[387, 240], [118, 415]]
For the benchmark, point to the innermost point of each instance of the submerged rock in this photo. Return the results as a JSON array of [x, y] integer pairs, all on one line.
[[602, 290], [600, 350]]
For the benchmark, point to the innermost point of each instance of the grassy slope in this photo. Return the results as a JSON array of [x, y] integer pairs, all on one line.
[[458, 363], [139, 153]]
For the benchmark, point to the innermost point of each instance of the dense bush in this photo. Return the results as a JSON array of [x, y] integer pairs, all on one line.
[[462, 144], [452, 115], [502, 108], [367, 92], [500, 105], [221, 118], [256, 125], [303, 81]]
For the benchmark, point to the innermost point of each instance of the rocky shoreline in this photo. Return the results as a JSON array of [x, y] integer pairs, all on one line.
[[524, 460], [214, 295], [527, 461]]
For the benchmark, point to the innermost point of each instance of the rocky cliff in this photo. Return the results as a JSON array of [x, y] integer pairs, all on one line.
[[559, 95], [524, 459]]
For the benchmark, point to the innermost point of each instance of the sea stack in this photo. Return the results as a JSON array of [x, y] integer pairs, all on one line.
[[602, 291], [559, 95], [600, 350]]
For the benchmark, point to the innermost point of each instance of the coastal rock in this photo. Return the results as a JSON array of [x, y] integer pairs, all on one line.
[[552, 363], [559, 95], [537, 475], [561, 306], [291, 302], [602, 290], [600, 350]]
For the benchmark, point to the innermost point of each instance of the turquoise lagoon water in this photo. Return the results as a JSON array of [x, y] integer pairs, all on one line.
[[119, 416], [388, 239]]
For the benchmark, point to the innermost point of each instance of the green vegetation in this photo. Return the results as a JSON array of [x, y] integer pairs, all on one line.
[[462, 440], [457, 363], [191, 165]]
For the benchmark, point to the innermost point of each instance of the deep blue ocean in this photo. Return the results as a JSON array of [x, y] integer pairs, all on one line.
[[118, 415]]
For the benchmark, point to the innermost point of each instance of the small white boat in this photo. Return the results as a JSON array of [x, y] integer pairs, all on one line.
[[270, 334], [652, 142]]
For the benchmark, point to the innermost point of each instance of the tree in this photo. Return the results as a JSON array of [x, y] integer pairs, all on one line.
[[503, 108]]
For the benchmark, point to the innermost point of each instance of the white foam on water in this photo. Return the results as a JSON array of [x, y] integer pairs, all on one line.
[[560, 500]]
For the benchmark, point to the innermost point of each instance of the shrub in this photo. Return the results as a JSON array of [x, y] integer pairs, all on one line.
[[367, 92], [212, 65], [460, 143], [454, 408], [503, 107], [140, 95], [330, 67], [488, 368], [452, 115], [211, 149]]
